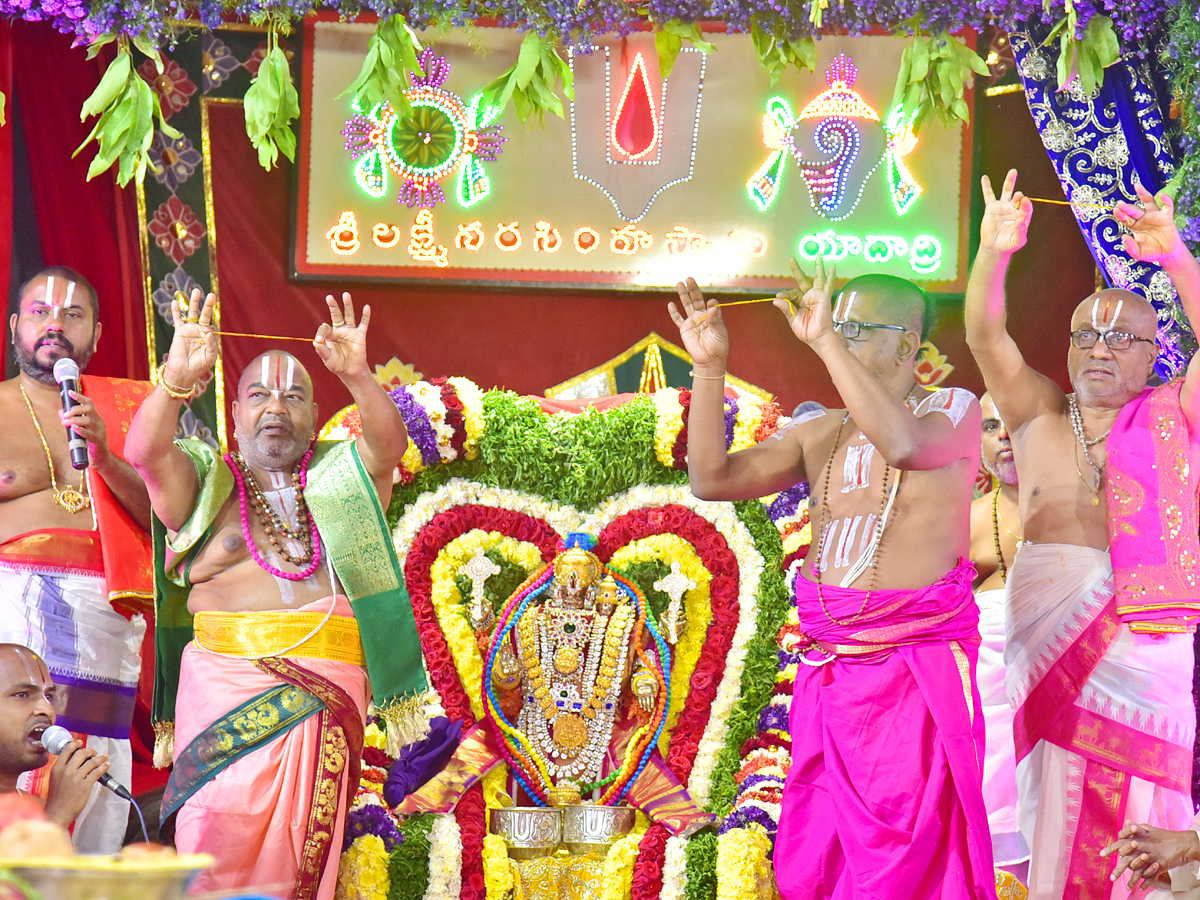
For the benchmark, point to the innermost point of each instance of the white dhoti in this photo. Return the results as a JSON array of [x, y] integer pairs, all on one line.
[[92, 652], [999, 760], [1104, 719]]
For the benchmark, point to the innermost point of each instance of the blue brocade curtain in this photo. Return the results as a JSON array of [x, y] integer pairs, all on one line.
[[1101, 146]]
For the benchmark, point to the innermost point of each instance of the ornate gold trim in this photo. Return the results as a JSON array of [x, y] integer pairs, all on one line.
[[147, 280], [662, 344], [215, 284]]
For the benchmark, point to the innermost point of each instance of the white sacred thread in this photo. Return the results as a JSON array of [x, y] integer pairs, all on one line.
[[856, 470], [951, 402], [1106, 326]]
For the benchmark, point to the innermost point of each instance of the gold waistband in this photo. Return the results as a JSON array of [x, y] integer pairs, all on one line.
[[254, 635]]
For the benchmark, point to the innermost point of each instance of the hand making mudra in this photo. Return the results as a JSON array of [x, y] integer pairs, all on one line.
[[340, 343]]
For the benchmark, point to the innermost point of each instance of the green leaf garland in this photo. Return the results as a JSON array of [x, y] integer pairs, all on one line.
[[668, 42], [386, 71], [1085, 57], [270, 105], [532, 83], [408, 863], [933, 77], [775, 53], [126, 108]]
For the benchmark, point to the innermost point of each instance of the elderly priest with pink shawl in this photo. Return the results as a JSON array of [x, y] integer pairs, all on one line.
[[281, 595], [1102, 598], [883, 798]]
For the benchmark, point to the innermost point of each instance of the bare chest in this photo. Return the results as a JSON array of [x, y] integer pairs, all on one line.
[[25, 462]]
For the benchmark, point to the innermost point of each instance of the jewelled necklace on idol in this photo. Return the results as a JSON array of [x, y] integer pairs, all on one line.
[[71, 499], [876, 539], [276, 526], [1087, 445]]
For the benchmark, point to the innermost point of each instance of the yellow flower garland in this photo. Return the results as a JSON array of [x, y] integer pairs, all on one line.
[[363, 874], [668, 424], [743, 871], [618, 863], [472, 401], [497, 875], [373, 736], [745, 426], [671, 548], [448, 603]]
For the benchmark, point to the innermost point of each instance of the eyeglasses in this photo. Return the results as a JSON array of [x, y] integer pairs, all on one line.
[[852, 330], [1086, 338]]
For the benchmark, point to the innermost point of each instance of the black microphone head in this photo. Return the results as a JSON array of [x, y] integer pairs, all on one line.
[[55, 738], [66, 369]]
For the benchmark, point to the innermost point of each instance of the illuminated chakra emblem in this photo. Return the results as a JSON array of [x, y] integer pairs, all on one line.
[[837, 141], [443, 136]]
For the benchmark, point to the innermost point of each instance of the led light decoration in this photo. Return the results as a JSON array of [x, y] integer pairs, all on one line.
[[443, 135], [546, 239], [849, 143], [749, 243], [343, 237], [629, 240], [613, 164], [508, 236], [924, 251], [421, 245], [630, 135], [900, 143], [586, 240], [385, 235], [777, 125], [680, 240], [470, 236]]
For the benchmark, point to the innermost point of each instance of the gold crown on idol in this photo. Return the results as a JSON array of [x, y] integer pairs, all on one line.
[[583, 564]]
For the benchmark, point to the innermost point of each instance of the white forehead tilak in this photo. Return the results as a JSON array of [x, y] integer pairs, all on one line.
[[845, 304], [1100, 320]]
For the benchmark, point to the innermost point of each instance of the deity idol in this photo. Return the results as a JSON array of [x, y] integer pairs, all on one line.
[[576, 689]]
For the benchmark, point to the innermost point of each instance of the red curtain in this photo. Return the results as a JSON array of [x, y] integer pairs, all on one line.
[[90, 226], [6, 168]]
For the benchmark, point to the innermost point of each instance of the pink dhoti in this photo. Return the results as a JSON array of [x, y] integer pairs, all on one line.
[[1104, 720], [883, 797], [274, 816]]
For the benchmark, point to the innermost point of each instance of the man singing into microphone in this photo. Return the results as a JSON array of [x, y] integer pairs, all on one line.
[[28, 697], [75, 562]]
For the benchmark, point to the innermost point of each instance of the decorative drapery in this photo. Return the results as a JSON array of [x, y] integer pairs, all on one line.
[[1101, 145]]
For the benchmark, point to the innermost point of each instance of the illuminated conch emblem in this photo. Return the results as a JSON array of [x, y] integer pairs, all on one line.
[[837, 141], [443, 135]]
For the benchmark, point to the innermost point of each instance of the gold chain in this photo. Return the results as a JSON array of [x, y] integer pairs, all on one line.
[[71, 499]]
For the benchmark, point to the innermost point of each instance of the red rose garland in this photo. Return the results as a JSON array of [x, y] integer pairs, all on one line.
[[454, 415], [716, 557], [472, 822], [648, 868]]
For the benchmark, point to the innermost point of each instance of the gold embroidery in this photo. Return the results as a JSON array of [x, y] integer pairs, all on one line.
[[257, 634], [964, 673]]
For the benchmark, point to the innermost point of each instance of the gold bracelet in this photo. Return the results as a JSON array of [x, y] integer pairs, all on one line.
[[720, 377], [175, 393]]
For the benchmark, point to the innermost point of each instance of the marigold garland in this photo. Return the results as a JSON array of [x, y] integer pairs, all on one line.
[[743, 868], [363, 874], [497, 873]]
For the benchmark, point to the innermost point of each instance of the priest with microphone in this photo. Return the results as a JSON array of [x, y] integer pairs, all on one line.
[[76, 570]]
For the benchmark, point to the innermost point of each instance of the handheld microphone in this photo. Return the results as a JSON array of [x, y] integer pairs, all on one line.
[[55, 739], [66, 373]]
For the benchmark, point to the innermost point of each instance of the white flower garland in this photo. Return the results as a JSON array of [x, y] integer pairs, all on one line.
[[461, 492], [445, 859], [674, 872]]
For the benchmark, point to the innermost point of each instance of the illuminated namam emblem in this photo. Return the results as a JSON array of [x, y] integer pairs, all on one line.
[[635, 128], [443, 136], [838, 141]]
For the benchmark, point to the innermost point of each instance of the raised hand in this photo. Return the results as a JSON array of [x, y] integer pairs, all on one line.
[[700, 326], [1152, 236], [193, 350], [809, 307], [340, 343], [1006, 218]]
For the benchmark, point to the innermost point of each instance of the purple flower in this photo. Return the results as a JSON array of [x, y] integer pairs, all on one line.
[[371, 819], [420, 429], [731, 411], [787, 502]]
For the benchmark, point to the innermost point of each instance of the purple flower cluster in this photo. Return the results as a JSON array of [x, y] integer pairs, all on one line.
[[371, 818], [787, 502], [731, 411], [420, 429], [1181, 57], [578, 24]]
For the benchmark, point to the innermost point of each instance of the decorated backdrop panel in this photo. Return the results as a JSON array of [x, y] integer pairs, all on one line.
[[714, 172]]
